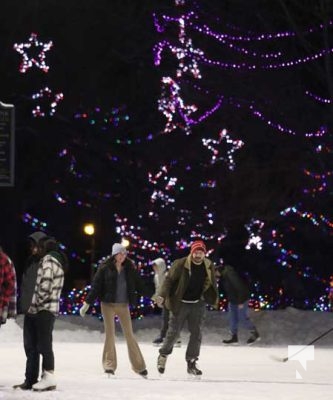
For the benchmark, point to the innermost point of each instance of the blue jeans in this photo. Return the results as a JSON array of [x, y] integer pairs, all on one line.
[[239, 316]]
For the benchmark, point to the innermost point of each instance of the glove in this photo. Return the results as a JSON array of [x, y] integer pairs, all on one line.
[[159, 301], [84, 309]]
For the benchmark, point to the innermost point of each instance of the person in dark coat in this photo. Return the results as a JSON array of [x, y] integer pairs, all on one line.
[[117, 284], [235, 286], [238, 294]]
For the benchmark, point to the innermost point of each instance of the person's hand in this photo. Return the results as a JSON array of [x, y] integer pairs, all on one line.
[[240, 306], [159, 301], [84, 309]]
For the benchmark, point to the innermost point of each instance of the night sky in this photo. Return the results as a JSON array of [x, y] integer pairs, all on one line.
[[91, 160]]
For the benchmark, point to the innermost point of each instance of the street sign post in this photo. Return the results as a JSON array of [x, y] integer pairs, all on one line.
[[7, 144]]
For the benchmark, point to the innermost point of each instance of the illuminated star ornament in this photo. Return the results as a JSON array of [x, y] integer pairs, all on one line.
[[254, 228], [172, 105], [213, 145], [168, 183], [51, 100], [31, 60]]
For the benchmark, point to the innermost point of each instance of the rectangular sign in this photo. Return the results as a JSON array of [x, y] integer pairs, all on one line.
[[7, 144]]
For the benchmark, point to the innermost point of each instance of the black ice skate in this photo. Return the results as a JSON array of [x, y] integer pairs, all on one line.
[[143, 373], [233, 340], [109, 371], [158, 341], [253, 338], [23, 386], [192, 369]]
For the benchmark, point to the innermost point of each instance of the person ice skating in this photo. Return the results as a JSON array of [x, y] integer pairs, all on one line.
[[7, 288], [41, 288], [238, 294], [159, 268], [188, 286], [236, 259], [27, 288], [116, 284]]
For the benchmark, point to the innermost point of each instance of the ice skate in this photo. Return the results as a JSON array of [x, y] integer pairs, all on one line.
[[158, 341], [161, 362], [144, 374], [109, 372], [232, 341], [23, 386], [192, 369], [47, 382], [255, 337]]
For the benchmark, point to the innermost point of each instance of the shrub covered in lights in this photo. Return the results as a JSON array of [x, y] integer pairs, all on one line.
[[72, 301]]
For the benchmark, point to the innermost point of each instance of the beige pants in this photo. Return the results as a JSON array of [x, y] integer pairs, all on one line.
[[109, 311]]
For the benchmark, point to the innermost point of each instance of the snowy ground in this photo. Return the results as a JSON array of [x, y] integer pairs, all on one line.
[[234, 373]]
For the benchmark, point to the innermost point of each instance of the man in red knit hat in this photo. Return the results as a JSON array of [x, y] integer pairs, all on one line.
[[188, 286]]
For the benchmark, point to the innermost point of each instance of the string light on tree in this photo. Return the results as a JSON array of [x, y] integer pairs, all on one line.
[[319, 99], [229, 40], [101, 119], [34, 222], [134, 234], [315, 220], [318, 177], [27, 50]]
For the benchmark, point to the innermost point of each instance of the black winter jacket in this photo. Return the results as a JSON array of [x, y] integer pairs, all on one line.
[[28, 284], [104, 285], [235, 288]]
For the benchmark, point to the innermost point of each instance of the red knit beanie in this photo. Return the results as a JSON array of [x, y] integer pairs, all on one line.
[[198, 245]]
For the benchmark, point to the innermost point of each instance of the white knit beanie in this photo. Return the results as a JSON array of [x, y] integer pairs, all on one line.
[[118, 248], [160, 264]]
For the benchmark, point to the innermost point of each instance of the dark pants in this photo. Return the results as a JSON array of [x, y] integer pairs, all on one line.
[[165, 322], [37, 337], [194, 314]]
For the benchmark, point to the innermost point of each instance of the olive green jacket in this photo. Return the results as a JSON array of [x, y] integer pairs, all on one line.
[[176, 282]]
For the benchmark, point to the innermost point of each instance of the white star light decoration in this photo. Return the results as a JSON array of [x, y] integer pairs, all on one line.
[[32, 60], [254, 228], [171, 103], [173, 107], [186, 54], [43, 94], [169, 185], [212, 145]]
